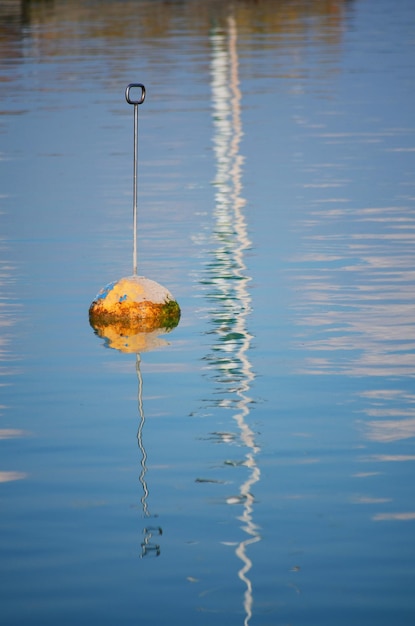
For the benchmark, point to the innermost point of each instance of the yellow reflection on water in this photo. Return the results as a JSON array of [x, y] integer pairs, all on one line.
[[130, 342]]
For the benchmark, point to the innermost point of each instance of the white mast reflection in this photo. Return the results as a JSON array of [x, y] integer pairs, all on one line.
[[229, 277]]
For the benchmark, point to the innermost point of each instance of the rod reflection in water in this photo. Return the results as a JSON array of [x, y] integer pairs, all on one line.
[[147, 546], [228, 282]]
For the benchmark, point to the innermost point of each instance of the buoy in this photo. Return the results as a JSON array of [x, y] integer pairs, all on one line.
[[133, 304], [137, 303]]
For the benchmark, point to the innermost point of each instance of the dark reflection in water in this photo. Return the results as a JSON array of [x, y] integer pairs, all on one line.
[[86, 22]]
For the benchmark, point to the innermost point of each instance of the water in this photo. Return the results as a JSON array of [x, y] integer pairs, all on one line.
[[258, 467]]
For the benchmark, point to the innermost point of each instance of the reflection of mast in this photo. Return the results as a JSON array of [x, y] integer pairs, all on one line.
[[229, 279], [147, 546]]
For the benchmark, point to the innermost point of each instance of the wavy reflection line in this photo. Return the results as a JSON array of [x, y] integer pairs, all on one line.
[[147, 545], [142, 449], [229, 278]]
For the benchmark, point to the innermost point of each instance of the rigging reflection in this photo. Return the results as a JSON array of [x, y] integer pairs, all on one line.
[[228, 284]]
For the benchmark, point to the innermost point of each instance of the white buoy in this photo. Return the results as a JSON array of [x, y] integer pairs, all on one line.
[[134, 304]]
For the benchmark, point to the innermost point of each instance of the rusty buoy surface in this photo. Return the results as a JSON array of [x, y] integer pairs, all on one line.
[[134, 304]]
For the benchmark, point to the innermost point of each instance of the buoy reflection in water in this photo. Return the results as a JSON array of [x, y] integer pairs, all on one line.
[[134, 339]]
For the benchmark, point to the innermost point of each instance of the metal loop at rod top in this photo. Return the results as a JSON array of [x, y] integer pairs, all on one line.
[[135, 86]]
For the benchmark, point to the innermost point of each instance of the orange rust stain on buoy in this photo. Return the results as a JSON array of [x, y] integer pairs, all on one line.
[[134, 304]]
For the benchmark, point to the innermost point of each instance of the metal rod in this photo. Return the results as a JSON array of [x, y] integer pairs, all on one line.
[[130, 100], [135, 190]]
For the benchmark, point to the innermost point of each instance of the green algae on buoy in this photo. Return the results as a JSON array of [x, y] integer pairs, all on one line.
[[136, 304]]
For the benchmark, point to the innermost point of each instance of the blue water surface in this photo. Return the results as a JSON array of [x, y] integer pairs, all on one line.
[[256, 465]]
